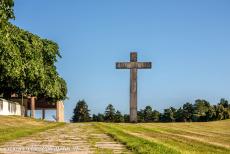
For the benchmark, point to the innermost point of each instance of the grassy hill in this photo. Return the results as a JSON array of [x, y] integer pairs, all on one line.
[[211, 137], [12, 127], [197, 138]]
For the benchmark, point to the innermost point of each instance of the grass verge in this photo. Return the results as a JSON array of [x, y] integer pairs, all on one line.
[[134, 143], [13, 127], [195, 138]]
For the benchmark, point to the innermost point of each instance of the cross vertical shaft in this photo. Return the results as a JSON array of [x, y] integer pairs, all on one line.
[[133, 95], [133, 89]]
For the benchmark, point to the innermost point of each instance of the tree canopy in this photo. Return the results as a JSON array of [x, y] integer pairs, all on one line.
[[27, 62], [6, 10], [81, 112], [110, 113]]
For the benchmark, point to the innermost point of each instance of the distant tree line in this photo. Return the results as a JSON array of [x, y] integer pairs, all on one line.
[[200, 111]]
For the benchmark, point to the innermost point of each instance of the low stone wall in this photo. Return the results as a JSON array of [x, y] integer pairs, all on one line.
[[11, 108]]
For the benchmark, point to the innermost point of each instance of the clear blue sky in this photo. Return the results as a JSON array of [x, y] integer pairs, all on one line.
[[187, 41]]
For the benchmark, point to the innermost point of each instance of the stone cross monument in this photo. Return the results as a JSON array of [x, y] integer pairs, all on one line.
[[133, 65]]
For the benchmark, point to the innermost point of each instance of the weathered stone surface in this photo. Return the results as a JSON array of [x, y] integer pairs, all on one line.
[[130, 65], [133, 65], [72, 138]]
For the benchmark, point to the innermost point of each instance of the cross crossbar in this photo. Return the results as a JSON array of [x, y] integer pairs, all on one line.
[[130, 65]]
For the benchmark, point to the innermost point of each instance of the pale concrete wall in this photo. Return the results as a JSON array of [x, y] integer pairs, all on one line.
[[10, 108], [60, 111]]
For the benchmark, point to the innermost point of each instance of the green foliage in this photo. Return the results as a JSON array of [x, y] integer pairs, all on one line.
[[200, 111], [118, 117], [94, 118], [180, 115], [219, 112], [6, 11], [81, 112], [210, 114], [126, 117], [169, 115], [140, 116], [27, 62], [188, 111], [28, 65], [224, 103], [99, 117], [110, 113], [148, 115], [155, 116]]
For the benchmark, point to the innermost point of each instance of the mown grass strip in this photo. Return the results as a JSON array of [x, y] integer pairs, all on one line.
[[180, 143], [14, 133], [134, 143]]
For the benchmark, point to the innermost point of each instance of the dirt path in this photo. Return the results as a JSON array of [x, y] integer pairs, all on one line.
[[69, 139]]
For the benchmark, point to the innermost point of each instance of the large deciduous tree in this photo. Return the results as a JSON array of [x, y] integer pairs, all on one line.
[[27, 62]]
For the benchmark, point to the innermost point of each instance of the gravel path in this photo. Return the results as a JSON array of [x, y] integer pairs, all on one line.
[[69, 139]]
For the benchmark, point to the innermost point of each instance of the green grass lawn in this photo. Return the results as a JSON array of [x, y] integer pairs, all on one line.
[[169, 138], [211, 137], [12, 127]]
